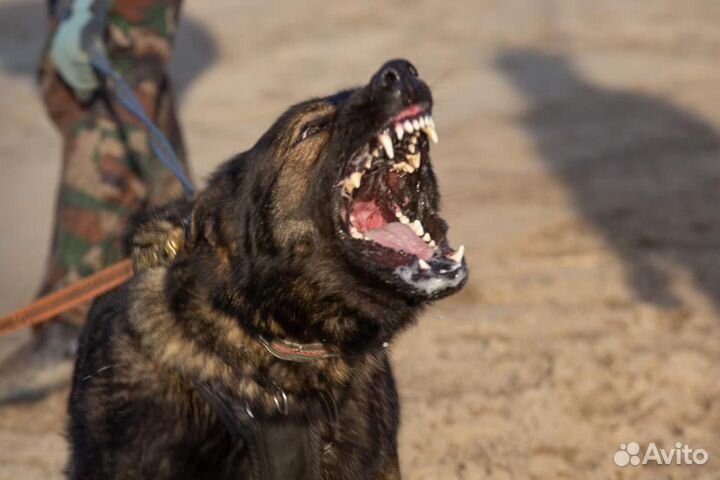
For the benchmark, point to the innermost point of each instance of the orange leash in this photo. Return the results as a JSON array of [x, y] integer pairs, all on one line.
[[50, 306]]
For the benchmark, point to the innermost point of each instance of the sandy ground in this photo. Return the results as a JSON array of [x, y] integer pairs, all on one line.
[[579, 159]]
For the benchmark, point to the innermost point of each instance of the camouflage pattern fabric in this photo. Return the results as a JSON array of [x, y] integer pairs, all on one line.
[[109, 172]]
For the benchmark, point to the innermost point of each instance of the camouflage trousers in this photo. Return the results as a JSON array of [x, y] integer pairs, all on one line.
[[109, 172]]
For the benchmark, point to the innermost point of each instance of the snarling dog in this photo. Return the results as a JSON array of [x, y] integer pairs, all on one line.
[[256, 346]]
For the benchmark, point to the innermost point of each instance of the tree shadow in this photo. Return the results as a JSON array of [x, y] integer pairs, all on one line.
[[643, 172], [23, 27]]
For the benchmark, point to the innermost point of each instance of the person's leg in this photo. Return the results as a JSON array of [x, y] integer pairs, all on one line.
[[109, 173]]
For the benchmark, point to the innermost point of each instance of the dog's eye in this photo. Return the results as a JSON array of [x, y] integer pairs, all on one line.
[[313, 129]]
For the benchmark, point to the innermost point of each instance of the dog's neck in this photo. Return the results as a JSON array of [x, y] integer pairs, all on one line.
[[211, 346]]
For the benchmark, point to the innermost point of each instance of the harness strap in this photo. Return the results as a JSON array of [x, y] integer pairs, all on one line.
[[279, 448]]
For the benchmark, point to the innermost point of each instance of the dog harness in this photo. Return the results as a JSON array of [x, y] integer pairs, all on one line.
[[278, 448]]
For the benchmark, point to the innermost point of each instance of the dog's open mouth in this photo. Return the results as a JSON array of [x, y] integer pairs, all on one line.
[[386, 210]]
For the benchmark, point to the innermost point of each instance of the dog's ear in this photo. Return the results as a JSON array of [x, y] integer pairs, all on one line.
[[203, 225], [159, 235]]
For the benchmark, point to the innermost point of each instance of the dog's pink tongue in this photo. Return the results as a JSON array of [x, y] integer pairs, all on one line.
[[400, 237]]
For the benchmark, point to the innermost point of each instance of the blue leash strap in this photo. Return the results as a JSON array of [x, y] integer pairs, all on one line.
[[125, 95]]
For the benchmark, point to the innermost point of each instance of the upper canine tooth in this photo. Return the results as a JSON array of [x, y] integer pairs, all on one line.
[[417, 228], [414, 160], [408, 126], [423, 264], [399, 131], [458, 255], [430, 132], [387, 144], [355, 178]]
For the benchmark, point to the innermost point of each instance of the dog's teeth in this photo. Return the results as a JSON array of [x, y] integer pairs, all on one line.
[[355, 234], [399, 131], [349, 187], [414, 140], [387, 144], [408, 126], [376, 153], [426, 237], [368, 163], [355, 179], [398, 213], [416, 124], [412, 148], [431, 133], [430, 121], [416, 227], [458, 255], [403, 167], [404, 220], [432, 243], [421, 121], [423, 264], [414, 160]]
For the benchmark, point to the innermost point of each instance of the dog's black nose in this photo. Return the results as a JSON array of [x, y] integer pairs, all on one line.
[[399, 80]]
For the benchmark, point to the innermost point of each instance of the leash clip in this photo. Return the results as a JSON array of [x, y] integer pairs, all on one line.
[[281, 404]]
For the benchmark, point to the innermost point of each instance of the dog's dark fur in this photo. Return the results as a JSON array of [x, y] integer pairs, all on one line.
[[262, 257]]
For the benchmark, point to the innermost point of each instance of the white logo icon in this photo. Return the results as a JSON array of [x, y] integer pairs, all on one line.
[[629, 454]]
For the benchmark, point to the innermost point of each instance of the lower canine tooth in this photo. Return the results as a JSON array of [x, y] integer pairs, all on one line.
[[387, 144], [414, 160], [423, 264], [458, 255], [431, 133]]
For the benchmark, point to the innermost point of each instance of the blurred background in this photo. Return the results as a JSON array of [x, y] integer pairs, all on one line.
[[579, 159]]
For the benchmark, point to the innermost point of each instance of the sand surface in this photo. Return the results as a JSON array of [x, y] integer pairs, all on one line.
[[580, 164]]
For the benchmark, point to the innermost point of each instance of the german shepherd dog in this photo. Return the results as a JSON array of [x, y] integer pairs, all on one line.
[[258, 350]]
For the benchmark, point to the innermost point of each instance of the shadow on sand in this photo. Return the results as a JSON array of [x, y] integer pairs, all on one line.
[[644, 173]]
